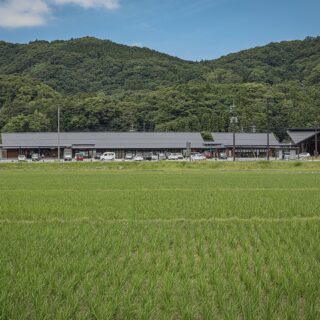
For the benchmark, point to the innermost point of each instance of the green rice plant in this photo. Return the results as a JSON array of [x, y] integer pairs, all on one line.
[[100, 243]]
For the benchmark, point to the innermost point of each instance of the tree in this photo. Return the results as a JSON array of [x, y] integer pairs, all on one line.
[[257, 75], [33, 123]]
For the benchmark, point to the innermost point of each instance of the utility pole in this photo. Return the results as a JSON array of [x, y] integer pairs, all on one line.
[[188, 150], [234, 145], [268, 145], [268, 132], [316, 142], [233, 122], [59, 134]]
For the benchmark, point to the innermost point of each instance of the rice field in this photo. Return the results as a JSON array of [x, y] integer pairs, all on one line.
[[103, 242]]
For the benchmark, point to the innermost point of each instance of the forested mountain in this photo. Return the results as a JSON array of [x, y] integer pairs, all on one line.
[[100, 85], [91, 65], [273, 63]]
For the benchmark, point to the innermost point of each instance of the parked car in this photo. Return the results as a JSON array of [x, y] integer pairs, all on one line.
[[35, 157], [97, 156], [22, 157], [67, 157], [129, 156], [289, 156], [208, 154], [223, 156], [78, 157], [138, 157], [173, 156], [197, 157], [162, 156], [154, 157], [147, 156], [304, 155], [108, 156]]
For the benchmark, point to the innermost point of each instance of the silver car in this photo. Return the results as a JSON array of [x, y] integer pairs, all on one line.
[[154, 157], [129, 156], [138, 157], [162, 156], [304, 156], [22, 157], [35, 157]]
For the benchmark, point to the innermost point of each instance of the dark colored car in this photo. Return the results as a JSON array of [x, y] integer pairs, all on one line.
[[147, 156], [97, 156], [208, 155]]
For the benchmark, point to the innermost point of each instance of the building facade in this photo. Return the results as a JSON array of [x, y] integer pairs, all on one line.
[[305, 139], [247, 145], [90, 143]]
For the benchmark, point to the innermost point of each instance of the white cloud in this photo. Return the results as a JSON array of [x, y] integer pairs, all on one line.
[[108, 4], [30, 13], [23, 13]]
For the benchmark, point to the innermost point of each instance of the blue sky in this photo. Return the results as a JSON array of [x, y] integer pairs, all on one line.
[[193, 30]]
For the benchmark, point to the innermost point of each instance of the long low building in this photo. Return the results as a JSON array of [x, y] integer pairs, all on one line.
[[247, 145], [253, 145], [89, 143]]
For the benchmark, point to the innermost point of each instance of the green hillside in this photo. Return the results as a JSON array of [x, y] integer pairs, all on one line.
[[90, 65], [100, 85], [273, 63]]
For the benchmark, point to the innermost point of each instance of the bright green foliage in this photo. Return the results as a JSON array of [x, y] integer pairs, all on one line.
[[94, 242], [32, 123]]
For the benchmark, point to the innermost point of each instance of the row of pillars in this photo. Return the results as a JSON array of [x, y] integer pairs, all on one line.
[[234, 146]]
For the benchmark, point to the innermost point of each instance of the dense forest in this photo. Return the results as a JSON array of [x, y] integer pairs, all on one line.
[[100, 85]]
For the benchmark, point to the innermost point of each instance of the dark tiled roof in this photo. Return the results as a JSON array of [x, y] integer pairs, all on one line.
[[300, 135], [245, 139], [104, 140]]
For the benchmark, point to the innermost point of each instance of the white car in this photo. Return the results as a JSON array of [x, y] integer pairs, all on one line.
[[67, 157], [35, 157], [154, 157], [197, 157], [289, 156], [173, 156], [108, 156], [304, 155], [22, 157], [138, 157], [129, 156]]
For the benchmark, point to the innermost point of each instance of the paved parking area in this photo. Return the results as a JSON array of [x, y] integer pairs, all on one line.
[[122, 160]]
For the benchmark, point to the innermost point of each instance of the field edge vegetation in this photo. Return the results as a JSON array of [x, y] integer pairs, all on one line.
[[209, 165]]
